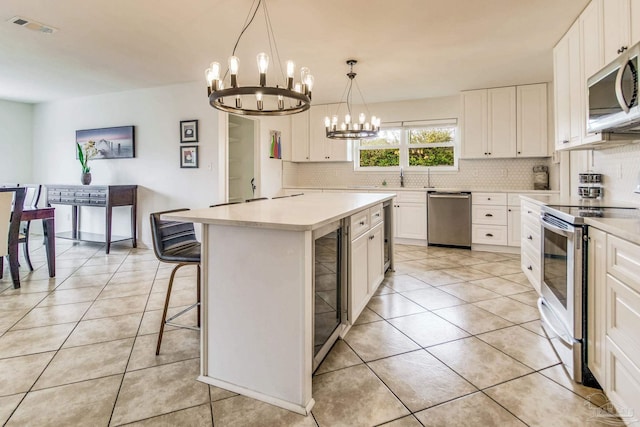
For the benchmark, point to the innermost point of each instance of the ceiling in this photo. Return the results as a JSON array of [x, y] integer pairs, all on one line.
[[407, 49]]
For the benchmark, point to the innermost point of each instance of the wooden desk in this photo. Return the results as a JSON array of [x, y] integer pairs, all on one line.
[[107, 196]]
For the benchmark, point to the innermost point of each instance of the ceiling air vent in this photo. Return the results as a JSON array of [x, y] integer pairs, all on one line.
[[33, 25]]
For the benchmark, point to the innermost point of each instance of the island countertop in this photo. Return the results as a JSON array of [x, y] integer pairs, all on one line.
[[306, 212]]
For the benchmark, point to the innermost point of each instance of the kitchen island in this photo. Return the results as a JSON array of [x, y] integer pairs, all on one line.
[[259, 267]]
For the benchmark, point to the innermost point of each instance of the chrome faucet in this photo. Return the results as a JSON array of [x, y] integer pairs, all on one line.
[[401, 178]]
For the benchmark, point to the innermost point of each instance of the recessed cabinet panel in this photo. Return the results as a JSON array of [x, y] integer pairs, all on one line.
[[502, 122], [474, 128], [617, 30], [300, 137]]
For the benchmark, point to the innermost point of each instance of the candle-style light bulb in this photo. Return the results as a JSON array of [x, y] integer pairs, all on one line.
[[291, 69], [280, 102], [234, 65], [238, 101], [259, 99], [215, 70], [334, 120], [298, 88], [362, 118], [304, 73], [343, 126], [309, 84], [263, 65], [327, 122], [347, 118]]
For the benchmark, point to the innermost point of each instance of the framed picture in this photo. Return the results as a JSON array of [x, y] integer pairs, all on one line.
[[189, 156], [189, 131], [108, 143]]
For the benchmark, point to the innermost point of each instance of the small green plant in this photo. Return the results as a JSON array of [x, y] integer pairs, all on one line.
[[85, 155]]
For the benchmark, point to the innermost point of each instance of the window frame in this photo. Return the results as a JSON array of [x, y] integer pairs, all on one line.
[[404, 146]]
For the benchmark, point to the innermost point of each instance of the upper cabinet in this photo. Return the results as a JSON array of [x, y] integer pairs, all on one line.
[[505, 122], [309, 141], [604, 30]]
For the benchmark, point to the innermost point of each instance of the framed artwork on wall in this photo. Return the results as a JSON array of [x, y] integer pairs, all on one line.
[[108, 143], [189, 156], [189, 131]]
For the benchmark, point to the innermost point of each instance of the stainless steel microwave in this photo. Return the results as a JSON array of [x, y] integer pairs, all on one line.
[[613, 96]]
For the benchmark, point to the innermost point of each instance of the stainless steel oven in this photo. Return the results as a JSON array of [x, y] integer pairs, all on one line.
[[564, 298], [563, 286]]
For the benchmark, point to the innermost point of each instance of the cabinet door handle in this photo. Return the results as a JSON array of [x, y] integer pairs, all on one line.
[[488, 198], [361, 222], [530, 237], [378, 214], [622, 49], [530, 268], [566, 141], [489, 235], [489, 215], [372, 237], [528, 212]]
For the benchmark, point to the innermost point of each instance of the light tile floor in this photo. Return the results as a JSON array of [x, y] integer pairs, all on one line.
[[452, 337]]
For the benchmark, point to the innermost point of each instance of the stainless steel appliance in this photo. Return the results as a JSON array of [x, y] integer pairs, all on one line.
[[449, 219], [563, 301], [613, 96]]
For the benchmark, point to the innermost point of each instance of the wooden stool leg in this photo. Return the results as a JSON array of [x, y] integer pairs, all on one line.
[[166, 307]]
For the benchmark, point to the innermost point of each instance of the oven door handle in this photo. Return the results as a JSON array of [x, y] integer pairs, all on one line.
[[555, 229], [542, 308]]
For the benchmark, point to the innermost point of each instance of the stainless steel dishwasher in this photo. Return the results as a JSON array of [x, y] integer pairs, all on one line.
[[449, 219]]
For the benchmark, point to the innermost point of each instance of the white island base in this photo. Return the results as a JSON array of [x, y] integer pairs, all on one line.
[[257, 335]]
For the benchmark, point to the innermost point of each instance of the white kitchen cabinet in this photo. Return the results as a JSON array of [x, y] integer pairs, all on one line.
[[474, 124], [622, 314], [596, 297], [366, 262], [635, 22], [505, 122], [591, 34], [489, 219], [514, 226], [300, 137], [530, 243], [531, 121], [309, 142], [617, 28], [321, 148], [561, 77], [489, 123], [501, 128], [410, 215]]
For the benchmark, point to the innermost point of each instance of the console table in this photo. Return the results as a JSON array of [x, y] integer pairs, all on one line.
[[103, 196]]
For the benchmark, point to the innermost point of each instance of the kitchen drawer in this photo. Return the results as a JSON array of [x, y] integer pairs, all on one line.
[[531, 267], [623, 262], [375, 214], [489, 199], [489, 215], [359, 223], [489, 234], [531, 234], [411, 197], [530, 210]]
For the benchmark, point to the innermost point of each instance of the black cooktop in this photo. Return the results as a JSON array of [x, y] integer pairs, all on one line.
[[576, 214]]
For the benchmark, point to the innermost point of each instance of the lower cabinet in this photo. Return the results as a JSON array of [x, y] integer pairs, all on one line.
[[366, 266], [410, 215], [530, 243], [613, 338]]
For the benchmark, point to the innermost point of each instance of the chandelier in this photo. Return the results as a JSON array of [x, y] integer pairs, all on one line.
[[350, 128], [286, 97]]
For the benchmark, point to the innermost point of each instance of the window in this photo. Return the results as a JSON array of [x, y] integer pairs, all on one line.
[[411, 145]]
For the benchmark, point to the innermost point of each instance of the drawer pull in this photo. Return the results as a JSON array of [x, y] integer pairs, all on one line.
[[528, 212], [361, 222], [489, 215], [488, 198], [530, 268], [378, 214], [489, 235], [530, 237]]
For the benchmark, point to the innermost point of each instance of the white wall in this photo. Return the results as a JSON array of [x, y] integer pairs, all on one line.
[[15, 142], [271, 169], [156, 114]]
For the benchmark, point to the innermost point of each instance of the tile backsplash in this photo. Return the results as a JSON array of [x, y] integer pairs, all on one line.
[[499, 174], [620, 168]]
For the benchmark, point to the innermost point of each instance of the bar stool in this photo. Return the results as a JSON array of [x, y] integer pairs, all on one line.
[[175, 242]]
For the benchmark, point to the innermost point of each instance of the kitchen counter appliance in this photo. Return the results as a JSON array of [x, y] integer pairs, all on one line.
[[449, 219], [563, 303]]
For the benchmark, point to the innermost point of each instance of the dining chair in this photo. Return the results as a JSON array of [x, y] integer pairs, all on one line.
[[9, 229], [175, 242], [31, 199]]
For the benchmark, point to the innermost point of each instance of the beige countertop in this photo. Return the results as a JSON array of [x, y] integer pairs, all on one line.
[[372, 188], [306, 212]]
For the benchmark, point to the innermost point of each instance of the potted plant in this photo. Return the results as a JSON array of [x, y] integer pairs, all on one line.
[[89, 152]]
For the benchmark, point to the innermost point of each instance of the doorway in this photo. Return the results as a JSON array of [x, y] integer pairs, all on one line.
[[242, 175]]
